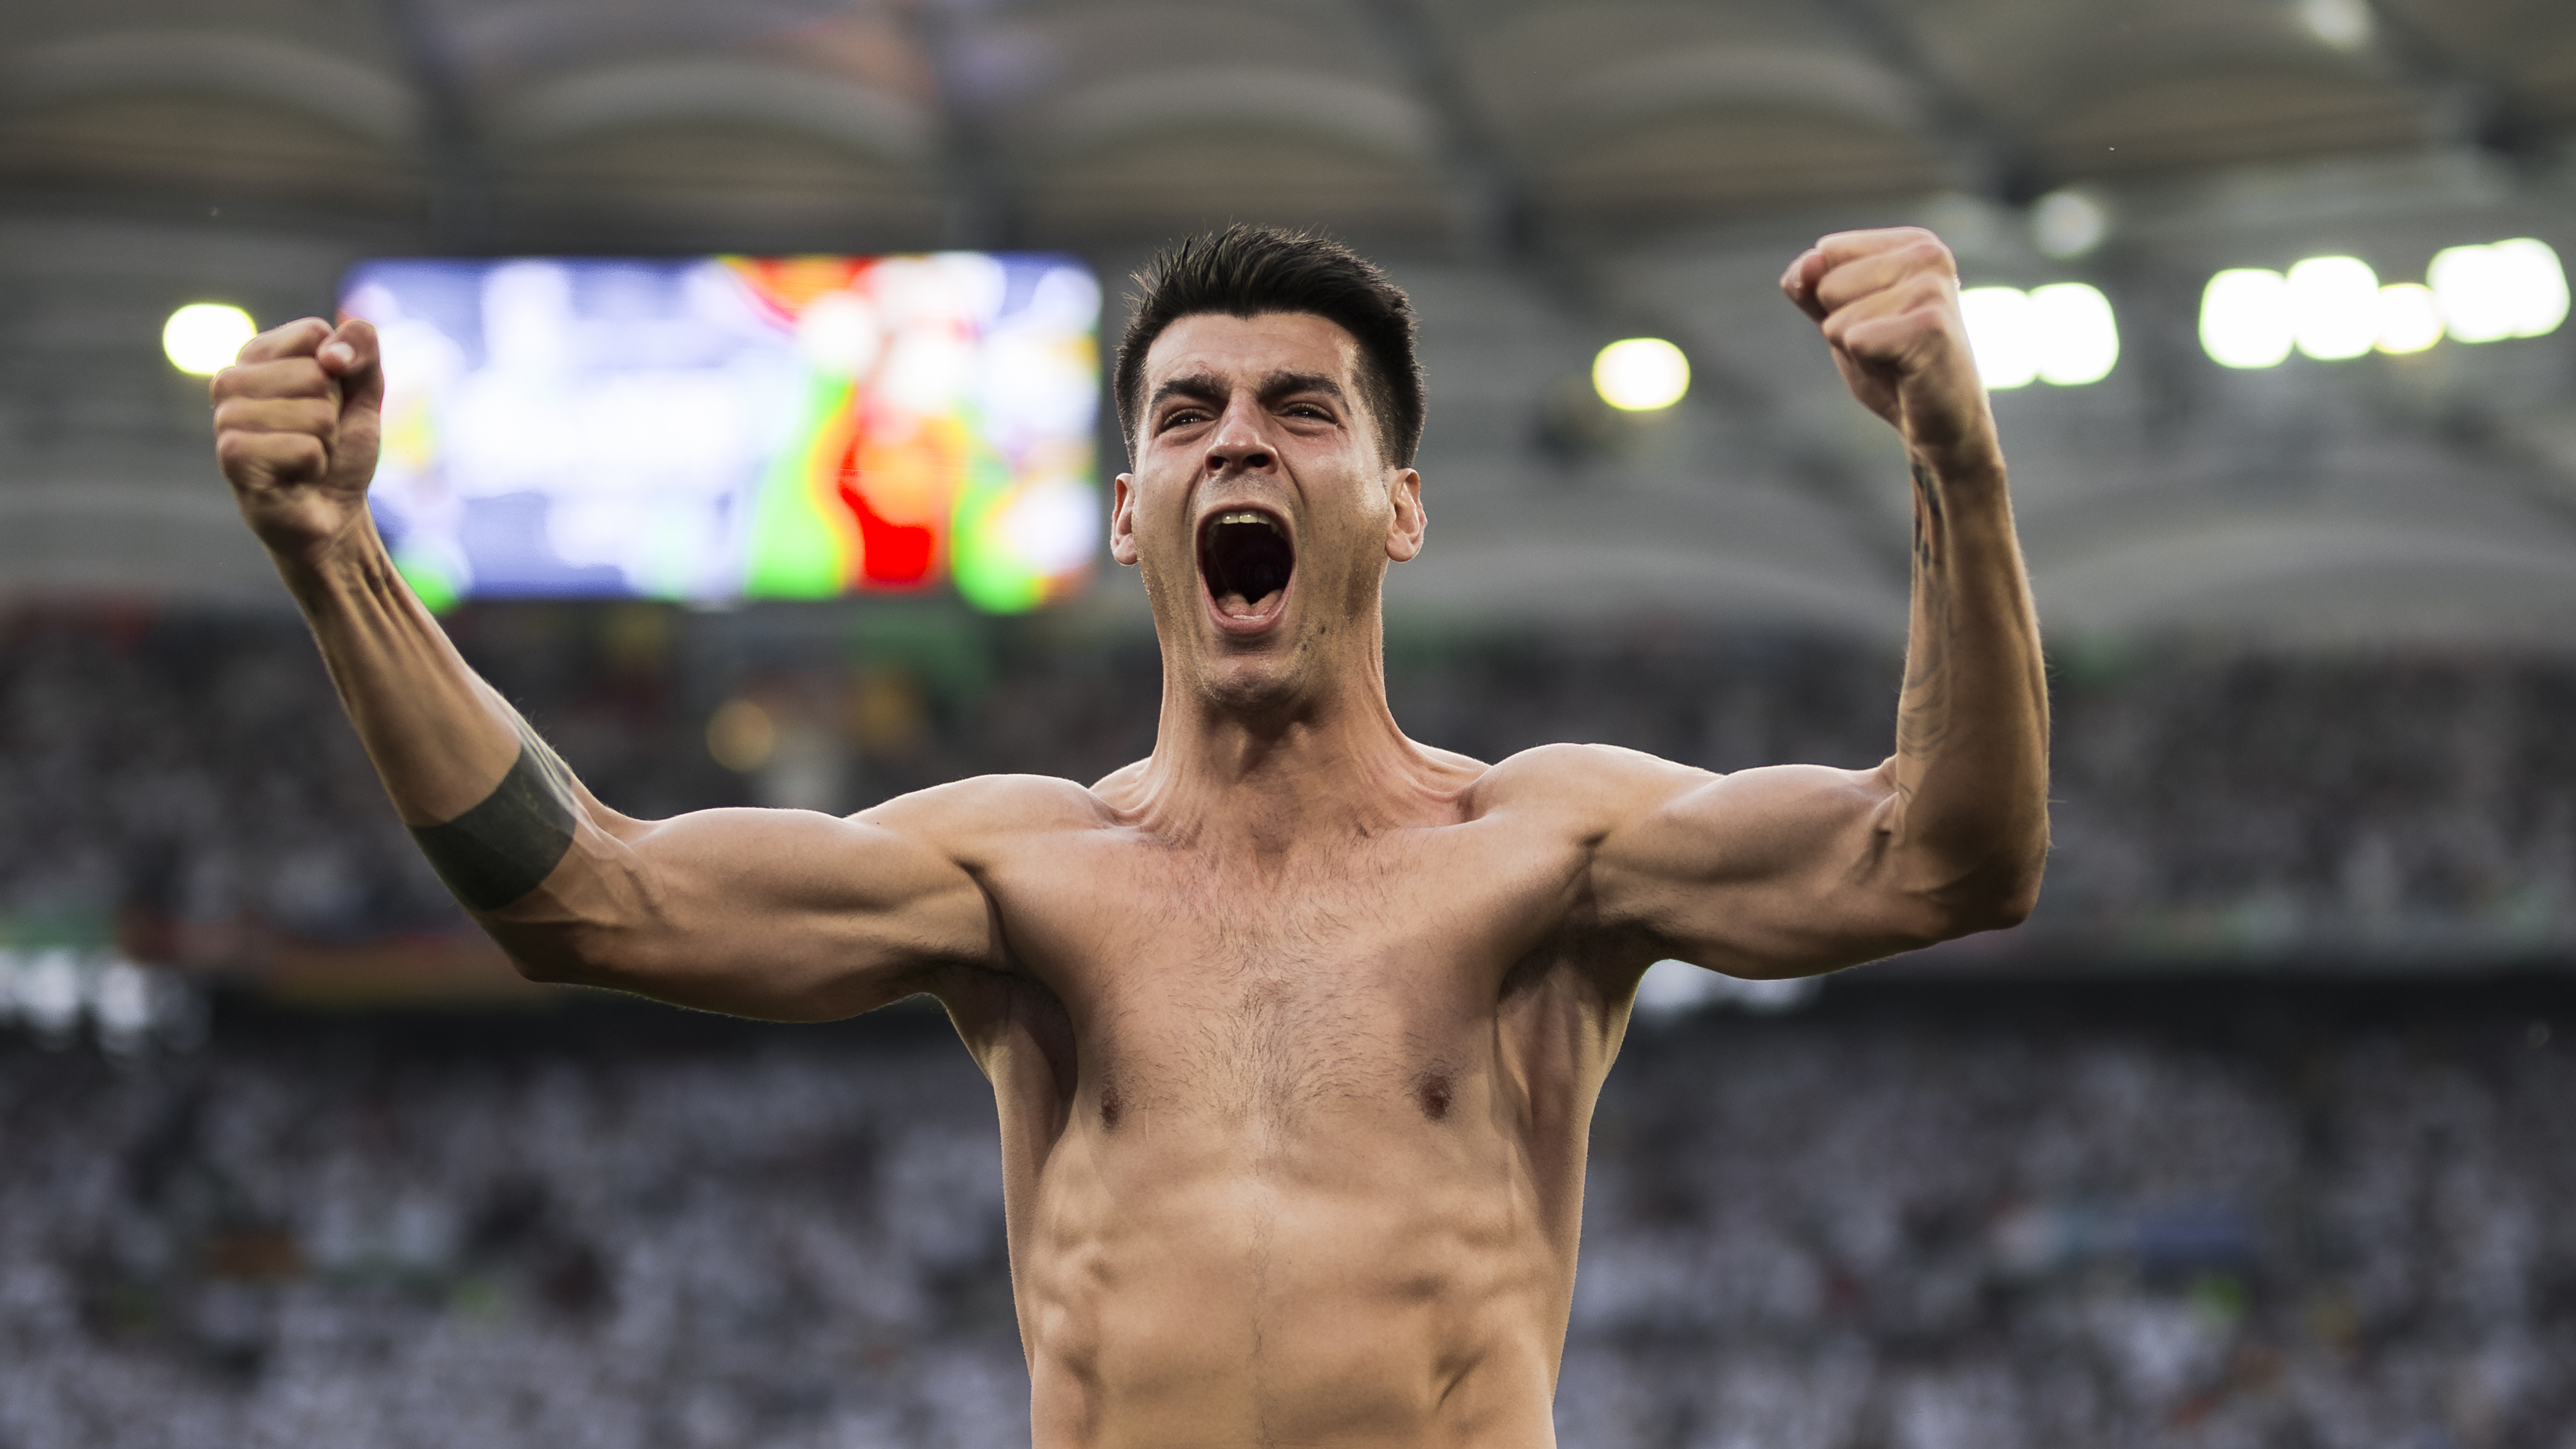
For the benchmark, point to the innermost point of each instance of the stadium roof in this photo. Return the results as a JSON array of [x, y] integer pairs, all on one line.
[[1547, 174]]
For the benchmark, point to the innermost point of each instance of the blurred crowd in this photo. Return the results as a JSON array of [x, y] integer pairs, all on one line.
[[191, 771], [188, 781], [1876, 1229], [1831, 1229], [2046, 1232], [266, 1246]]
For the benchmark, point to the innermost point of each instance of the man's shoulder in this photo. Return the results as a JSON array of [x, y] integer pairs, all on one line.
[[1577, 779], [994, 805]]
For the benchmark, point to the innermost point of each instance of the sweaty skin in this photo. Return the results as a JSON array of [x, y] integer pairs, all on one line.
[[1295, 1026]]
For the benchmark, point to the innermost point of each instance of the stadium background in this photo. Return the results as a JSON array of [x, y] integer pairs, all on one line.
[[2258, 1134]]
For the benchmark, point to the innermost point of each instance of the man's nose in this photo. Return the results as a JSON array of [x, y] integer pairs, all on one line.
[[1241, 443]]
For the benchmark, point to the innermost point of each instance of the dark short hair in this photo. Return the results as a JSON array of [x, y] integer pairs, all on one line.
[[1246, 271]]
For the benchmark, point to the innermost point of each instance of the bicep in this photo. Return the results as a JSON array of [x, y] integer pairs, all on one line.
[[786, 914], [1779, 871]]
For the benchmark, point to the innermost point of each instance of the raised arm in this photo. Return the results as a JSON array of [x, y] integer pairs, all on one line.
[[1795, 869], [776, 913]]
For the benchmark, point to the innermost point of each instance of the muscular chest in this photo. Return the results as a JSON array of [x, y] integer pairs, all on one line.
[[1359, 975]]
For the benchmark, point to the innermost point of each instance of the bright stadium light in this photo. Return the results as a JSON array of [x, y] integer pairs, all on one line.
[[2003, 333], [2079, 339], [2471, 289], [2410, 319], [2245, 318], [2540, 285], [2334, 307], [2511, 289], [2068, 223], [203, 337], [1641, 374], [2062, 334], [2343, 24]]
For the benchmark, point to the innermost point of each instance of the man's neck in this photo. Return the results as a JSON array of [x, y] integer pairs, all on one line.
[[1313, 768]]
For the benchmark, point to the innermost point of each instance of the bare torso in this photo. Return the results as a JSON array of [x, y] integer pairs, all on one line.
[[1299, 1157]]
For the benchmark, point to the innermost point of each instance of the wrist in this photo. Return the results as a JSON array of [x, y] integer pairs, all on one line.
[[1951, 430], [322, 571], [1964, 465]]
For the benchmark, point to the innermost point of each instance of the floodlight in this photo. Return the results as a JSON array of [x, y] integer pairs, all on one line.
[[2471, 289], [2343, 24], [2510, 289], [2078, 338], [2068, 224], [2003, 333], [1641, 374], [204, 337], [2245, 318], [2540, 285], [2334, 307], [2410, 319]]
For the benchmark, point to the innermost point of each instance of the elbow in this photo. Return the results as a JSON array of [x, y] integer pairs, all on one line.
[[1964, 872], [563, 948], [544, 962], [544, 970], [1994, 895], [2002, 911], [581, 928], [1936, 921]]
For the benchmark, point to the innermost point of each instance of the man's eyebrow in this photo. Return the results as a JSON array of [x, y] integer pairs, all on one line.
[[1294, 382], [1285, 384], [1208, 388], [1196, 386]]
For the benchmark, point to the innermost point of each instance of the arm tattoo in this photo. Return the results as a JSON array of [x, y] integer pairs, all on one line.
[[505, 847], [1923, 714], [1929, 532]]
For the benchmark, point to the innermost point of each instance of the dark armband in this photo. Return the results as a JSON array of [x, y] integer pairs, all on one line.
[[505, 847]]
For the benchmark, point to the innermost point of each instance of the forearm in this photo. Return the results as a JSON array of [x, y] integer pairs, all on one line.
[[1958, 832], [1969, 819], [788, 914], [491, 806]]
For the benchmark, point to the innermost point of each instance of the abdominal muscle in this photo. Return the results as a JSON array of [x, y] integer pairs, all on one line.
[[1361, 1275]]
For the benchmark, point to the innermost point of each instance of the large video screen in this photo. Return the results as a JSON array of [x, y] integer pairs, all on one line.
[[724, 428]]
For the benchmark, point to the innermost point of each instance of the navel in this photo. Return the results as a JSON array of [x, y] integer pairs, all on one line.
[[1111, 1105], [1432, 1092]]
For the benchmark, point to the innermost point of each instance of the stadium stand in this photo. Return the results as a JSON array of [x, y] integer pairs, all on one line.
[[1987, 1210], [2445, 833]]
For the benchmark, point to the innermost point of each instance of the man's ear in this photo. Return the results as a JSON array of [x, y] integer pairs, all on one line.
[[1122, 520], [1404, 528]]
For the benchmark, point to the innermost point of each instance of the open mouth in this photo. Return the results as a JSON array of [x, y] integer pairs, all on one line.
[[1246, 559]]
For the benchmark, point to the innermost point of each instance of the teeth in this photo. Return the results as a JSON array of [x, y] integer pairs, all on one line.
[[1246, 515]]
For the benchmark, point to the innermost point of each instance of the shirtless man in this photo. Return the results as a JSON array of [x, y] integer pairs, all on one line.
[[1295, 1026]]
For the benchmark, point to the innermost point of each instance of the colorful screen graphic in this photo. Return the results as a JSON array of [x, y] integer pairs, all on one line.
[[738, 427]]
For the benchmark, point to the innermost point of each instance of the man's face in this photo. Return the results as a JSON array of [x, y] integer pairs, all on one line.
[[1262, 510]]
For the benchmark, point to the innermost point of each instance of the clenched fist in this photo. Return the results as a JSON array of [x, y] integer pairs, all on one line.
[[1888, 302], [297, 422]]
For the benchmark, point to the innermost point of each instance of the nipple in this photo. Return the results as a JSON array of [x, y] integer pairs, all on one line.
[[1433, 1092]]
